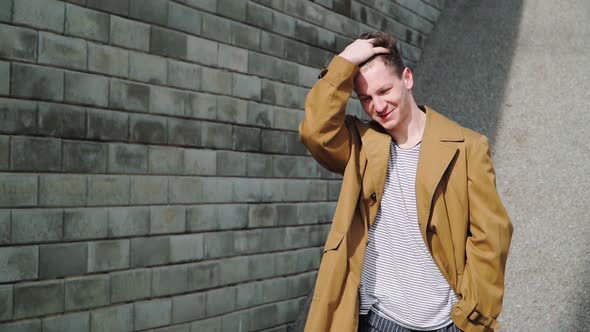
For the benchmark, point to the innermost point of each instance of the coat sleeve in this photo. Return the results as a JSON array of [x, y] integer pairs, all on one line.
[[323, 130], [487, 246]]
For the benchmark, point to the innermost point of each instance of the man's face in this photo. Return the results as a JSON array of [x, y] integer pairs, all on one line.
[[385, 96]]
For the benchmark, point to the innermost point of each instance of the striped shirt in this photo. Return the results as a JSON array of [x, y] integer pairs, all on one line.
[[400, 280]]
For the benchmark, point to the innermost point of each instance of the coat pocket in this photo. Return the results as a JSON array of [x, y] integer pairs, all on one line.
[[333, 241]]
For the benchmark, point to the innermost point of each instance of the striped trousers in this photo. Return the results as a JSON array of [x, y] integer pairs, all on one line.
[[372, 322]]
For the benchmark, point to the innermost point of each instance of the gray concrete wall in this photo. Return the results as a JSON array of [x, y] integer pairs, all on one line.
[[518, 72], [151, 175]]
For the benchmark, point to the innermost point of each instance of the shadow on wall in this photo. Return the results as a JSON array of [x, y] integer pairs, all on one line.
[[464, 68]]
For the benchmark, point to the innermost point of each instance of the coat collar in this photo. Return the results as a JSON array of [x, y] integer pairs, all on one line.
[[436, 154]]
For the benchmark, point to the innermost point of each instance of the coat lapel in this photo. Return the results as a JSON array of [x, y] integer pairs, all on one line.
[[436, 154]]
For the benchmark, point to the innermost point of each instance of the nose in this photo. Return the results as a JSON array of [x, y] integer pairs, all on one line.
[[379, 104]]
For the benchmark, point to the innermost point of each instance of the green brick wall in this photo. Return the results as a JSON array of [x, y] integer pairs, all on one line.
[[151, 174]]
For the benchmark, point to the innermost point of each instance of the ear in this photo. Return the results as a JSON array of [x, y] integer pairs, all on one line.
[[408, 78]]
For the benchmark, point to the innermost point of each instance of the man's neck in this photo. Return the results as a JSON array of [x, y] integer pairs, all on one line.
[[409, 133]]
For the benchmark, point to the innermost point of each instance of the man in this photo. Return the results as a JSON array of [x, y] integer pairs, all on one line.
[[419, 238]]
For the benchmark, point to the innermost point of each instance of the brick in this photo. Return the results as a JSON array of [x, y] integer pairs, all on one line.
[[232, 9], [18, 116], [4, 78], [272, 44], [129, 33], [246, 138], [306, 32], [168, 43], [262, 216], [219, 244], [200, 162], [211, 324], [231, 163], [4, 152], [167, 219], [187, 308], [233, 270], [261, 266], [307, 76], [245, 36], [129, 96], [4, 227], [184, 75], [283, 24], [275, 289], [203, 275], [165, 160], [87, 292], [258, 165], [62, 51], [294, 145], [84, 157], [38, 225], [61, 120], [169, 280], [187, 247], [18, 190], [35, 154], [334, 190], [236, 321], [167, 101], [87, 23], [35, 299], [62, 190], [203, 51], [85, 223], [289, 119], [147, 128], [18, 263], [184, 18], [107, 190], [5, 302], [36, 82], [248, 87], [48, 14], [209, 5], [112, 319], [218, 81], [128, 221], [232, 216], [232, 109], [149, 190], [107, 125], [59, 260], [186, 190], [33, 325], [153, 313], [273, 141], [327, 39], [6, 11], [18, 43], [69, 322], [216, 28], [147, 68], [184, 132], [201, 105], [249, 295], [130, 285], [108, 60], [86, 89], [154, 11], [150, 251], [175, 328], [258, 15], [297, 52], [127, 158], [220, 301], [260, 114], [287, 214], [233, 58], [108, 255]]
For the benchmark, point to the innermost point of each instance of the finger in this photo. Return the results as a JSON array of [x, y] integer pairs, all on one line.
[[381, 50]]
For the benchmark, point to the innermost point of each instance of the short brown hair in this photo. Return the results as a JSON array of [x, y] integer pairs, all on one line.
[[392, 59]]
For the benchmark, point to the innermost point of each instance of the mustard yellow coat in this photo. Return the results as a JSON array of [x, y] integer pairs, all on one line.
[[461, 217]]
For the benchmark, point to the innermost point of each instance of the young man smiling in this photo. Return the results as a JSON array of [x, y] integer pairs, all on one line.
[[419, 238]]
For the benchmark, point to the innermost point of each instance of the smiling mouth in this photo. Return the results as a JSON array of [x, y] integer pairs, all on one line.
[[386, 114]]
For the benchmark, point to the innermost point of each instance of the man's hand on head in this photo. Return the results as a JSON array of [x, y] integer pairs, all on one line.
[[361, 50]]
